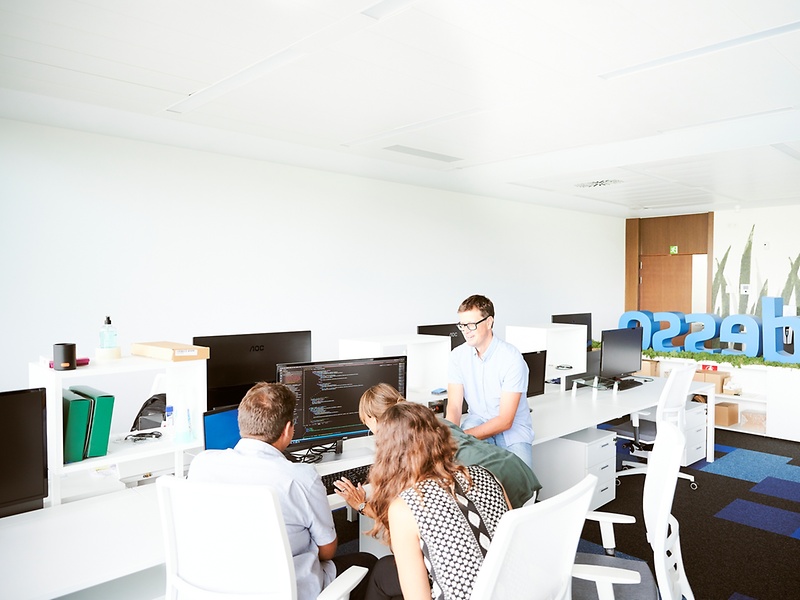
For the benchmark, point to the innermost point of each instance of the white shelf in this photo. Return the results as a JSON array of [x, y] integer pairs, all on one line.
[[131, 380]]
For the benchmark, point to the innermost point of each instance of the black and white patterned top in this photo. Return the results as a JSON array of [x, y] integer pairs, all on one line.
[[455, 532]]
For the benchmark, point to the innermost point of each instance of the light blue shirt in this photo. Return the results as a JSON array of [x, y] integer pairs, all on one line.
[[502, 369], [304, 502]]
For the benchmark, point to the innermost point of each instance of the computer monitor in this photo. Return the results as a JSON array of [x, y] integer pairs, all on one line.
[[328, 394], [221, 428], [450, 330], [537, 364], [577, 319], [237, 362], [23, 447], [620, 352]]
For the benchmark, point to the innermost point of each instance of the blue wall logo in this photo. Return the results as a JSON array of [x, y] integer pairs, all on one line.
[[757, 336]]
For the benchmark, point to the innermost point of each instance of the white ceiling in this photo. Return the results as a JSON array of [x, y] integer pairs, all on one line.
[[625, 107]]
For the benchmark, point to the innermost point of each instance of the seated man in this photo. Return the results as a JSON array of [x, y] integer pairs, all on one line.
[[266, 424]]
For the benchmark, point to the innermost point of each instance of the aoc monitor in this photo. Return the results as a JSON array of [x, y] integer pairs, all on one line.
[[449, 330], [236, 362]]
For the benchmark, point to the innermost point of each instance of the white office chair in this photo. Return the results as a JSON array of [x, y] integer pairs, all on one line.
[[229, 541], [671, 408], [661, 529], [532, 554]]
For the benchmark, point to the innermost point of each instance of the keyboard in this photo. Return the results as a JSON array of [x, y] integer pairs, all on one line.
[[356, 475], [626, 384]]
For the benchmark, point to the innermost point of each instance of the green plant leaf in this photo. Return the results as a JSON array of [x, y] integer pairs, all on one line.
[[718, 285], [744, 271]]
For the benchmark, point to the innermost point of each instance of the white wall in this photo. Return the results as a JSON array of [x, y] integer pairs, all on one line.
[[174, 243]]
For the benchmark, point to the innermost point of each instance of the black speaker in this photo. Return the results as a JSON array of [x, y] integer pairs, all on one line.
[[64, 357]]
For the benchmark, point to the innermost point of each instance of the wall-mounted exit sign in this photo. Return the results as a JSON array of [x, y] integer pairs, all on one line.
[[673, 249]]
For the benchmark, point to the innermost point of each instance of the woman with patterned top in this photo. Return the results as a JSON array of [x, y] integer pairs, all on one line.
[[438, 516]]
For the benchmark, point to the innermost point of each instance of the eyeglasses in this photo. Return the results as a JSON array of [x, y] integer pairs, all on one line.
[[471, 326]]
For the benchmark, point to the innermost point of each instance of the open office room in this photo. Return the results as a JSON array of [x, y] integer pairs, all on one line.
[[176, 243]]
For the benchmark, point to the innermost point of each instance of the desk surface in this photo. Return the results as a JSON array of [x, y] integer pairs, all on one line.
[[70, 547], [557, 413]]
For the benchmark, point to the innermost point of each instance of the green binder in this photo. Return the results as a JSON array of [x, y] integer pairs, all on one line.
[[99, 419], [76, 425]]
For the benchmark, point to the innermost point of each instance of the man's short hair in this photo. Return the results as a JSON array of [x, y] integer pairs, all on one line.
[[265, 410], [482, 303]]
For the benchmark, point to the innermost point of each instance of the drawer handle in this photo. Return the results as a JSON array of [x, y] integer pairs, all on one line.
[[604, 489], [606, 445], [604, 467]]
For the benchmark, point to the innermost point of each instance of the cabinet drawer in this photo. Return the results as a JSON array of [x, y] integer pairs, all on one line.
[[695, 414], [604, 470], [601, 451], [604, 493]]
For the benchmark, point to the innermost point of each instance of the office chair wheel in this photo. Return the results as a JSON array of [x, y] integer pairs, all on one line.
[[693, 485]]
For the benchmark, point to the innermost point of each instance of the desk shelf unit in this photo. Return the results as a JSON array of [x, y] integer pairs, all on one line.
[[770, 396], [185, 385]]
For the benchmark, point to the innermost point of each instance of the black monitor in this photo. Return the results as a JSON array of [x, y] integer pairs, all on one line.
[[237, 362], [221, 428], [450, 330], [328, 394], [577, 319], [537, 364], [620, 352], [23, 447]]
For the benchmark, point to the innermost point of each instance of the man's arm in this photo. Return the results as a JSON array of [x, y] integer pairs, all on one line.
[[328, 551], [455, 400], [509, 401]]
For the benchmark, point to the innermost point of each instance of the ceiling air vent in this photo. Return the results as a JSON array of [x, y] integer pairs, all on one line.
[[598, 183]]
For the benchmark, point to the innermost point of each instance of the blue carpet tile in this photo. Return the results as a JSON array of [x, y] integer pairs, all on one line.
[[778, 488], [766, 518], [753, 466], [738, 596]]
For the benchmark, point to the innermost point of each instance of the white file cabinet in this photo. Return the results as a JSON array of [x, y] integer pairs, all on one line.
[[561, 463]]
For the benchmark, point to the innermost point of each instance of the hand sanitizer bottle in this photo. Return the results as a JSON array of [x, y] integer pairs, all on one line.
[[108, 334], [109, 349]]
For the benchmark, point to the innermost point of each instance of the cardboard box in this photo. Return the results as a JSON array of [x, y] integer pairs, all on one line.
[[650, 368], [718, 378], [172, 351], [726, 414]]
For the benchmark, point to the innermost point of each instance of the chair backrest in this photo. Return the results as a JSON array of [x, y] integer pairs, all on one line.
[[672, 402], [223, 540], [663, 465], [533, 550]]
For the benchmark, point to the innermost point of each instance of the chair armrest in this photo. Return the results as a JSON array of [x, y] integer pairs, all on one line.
[[606, 521], [605, 578], [340, 588]]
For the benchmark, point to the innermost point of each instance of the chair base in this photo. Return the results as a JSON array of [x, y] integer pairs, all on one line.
[[636, 468]]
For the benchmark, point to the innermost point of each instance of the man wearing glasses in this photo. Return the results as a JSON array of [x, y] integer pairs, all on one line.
[[491, 375]]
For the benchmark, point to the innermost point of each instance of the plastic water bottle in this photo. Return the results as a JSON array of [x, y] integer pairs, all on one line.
[[108, 334]]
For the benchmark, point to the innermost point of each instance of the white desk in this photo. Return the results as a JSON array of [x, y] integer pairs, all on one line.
[[558, 413], [115, 538], [74, 546]]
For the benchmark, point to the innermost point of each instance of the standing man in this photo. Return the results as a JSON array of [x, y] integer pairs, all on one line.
[[491, 375], [266, 424]]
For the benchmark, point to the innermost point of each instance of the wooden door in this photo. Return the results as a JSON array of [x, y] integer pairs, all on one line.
[[666, 285]]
